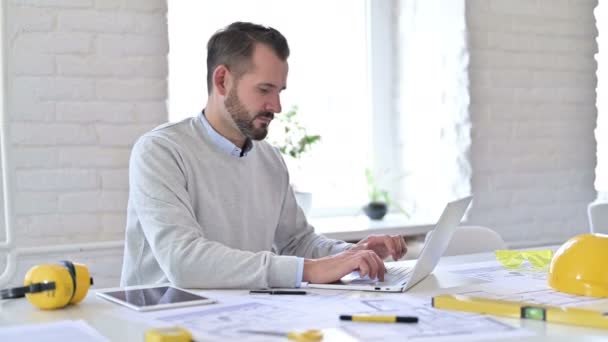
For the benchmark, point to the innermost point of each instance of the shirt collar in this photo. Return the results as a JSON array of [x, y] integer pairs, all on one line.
[[224, 144]]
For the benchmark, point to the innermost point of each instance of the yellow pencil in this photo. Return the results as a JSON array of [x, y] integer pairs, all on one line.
[[379, 319], [555, 314]]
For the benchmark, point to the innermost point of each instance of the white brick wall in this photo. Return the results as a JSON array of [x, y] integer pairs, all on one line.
[[532, 92], [85, 79]]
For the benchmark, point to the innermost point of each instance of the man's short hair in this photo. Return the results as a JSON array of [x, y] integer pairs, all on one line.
[[233, 46]]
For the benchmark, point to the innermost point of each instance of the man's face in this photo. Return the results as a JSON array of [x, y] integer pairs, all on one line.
[[253, 125], [255, 96]]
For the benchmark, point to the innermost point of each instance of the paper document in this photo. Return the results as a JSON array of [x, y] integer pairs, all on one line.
[[433, 324], [320, 311], [508, 284], [65, 331], [492, 271], [232, 314], [546, 296]]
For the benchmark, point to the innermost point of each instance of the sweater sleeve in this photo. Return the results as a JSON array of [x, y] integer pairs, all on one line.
[[295, 236], [160, 199]]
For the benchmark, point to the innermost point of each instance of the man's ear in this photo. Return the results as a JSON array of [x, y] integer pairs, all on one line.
[[221, 77]]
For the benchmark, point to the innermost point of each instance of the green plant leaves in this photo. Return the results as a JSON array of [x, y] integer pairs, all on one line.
[[295, 140]]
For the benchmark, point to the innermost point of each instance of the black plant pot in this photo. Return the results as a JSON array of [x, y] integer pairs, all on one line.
[[375, 210]]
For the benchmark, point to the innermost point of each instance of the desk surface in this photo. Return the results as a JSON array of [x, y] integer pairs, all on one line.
[[355, 228], [102, 316]]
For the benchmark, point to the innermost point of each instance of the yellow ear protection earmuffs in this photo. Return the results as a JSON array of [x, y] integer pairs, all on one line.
[[53, 286]]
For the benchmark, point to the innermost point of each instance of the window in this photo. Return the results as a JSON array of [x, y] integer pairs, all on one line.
[[329, 80]]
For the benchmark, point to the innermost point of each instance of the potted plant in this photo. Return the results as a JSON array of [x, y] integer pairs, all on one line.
[[293, 139], [379, 199], [294, 142]]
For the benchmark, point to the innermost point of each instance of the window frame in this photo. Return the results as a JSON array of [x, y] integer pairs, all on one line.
[[382, 66], [601, 58], [7, 244]]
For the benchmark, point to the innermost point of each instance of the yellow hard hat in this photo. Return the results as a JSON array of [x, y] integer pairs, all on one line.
[[578, 266]]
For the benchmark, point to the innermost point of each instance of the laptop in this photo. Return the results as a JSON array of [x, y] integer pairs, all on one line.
[[402, 276]]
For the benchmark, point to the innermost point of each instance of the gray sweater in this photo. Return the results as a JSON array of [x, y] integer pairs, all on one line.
[[200, 218]]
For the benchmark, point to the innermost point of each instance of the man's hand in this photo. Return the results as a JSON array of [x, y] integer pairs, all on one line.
[[383, 245], [332, 268]]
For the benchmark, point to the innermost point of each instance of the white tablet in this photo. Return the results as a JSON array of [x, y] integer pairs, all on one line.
[[147, 298]]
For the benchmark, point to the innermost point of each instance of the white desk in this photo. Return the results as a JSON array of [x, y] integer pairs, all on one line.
[[102, 315], [355, 228]]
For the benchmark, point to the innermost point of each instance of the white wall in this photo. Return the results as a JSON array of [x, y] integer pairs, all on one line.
[[85, 79], [533, 81]]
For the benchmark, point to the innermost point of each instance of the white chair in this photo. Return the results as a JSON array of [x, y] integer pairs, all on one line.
[[473, 239], [598, 217]]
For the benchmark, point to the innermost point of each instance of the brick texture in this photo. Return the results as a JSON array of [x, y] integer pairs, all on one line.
[[532, 92], [87, 78]]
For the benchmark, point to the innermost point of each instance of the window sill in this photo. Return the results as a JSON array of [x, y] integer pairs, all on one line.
[[355, 228]]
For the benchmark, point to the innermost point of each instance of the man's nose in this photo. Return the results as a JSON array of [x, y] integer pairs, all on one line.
[[274, 105]]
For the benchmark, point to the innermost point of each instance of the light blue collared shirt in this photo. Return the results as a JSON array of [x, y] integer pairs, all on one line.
[[229, 148], [224, 144]]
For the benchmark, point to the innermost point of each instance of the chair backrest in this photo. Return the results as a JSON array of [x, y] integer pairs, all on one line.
[[473, 239], [598, 217]]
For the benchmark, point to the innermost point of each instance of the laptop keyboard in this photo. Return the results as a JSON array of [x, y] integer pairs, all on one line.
[[395, 274]]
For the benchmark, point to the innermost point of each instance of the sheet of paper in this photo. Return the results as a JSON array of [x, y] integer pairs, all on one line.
[[231, 314], [492, 271], [545, 296], [321, 311], [67, 331], [433, 325], [507, 284]]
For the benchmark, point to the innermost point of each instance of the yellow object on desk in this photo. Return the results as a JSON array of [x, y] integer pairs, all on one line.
[[538, 259], [555, 314], [169, 334], [311, 335], [579, 266], [379, 318]]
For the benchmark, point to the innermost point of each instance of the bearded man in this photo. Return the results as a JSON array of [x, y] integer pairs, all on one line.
[[210, 202]]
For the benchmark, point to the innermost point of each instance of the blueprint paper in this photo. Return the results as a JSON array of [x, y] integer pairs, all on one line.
[[318, 311], [494, 272], [433, 325], [524, 284], [67, 331], [546, 296]]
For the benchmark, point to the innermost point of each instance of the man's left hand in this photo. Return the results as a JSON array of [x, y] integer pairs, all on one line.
[[384, 245]]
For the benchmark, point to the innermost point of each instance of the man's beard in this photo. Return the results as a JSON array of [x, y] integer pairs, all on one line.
[[243, 119]]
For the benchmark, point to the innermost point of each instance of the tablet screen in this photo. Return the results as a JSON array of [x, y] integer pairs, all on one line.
[[154, 296]]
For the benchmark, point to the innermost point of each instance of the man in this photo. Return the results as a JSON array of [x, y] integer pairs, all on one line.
[[210, 205]]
